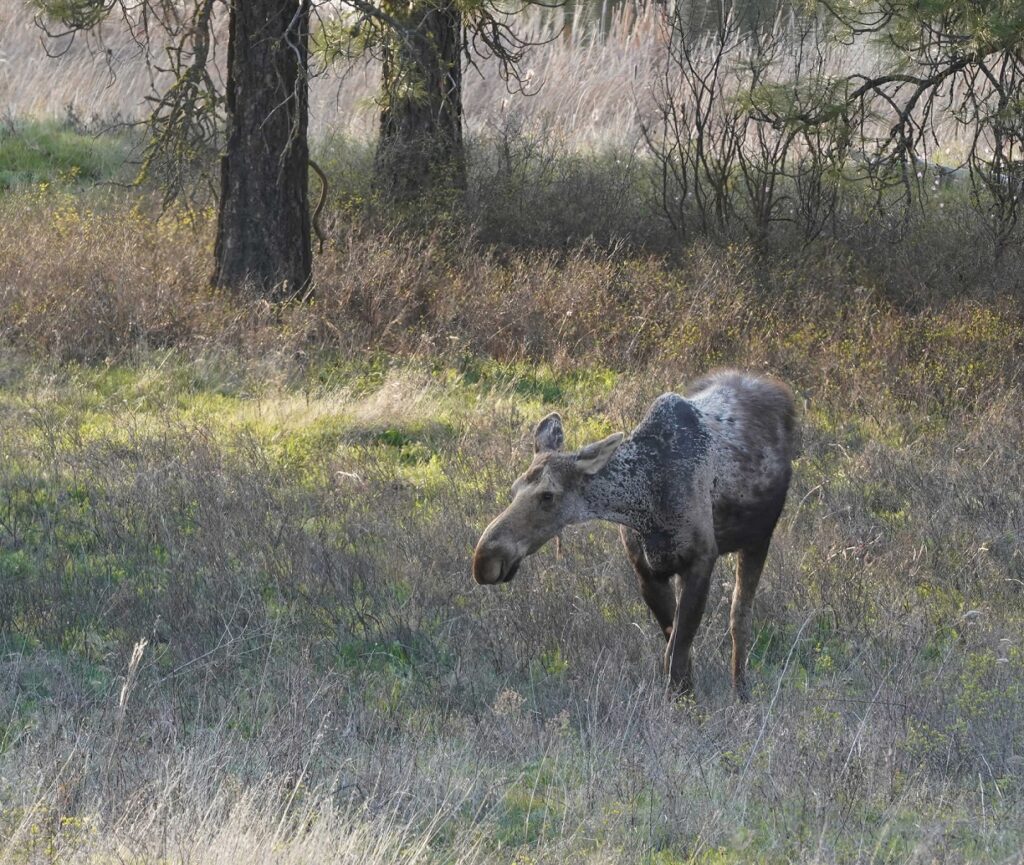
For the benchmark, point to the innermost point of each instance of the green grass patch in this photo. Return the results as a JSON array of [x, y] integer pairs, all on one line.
[[535, 382], [50, 152]]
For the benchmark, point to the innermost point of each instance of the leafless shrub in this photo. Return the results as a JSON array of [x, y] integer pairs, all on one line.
[[723, 158]]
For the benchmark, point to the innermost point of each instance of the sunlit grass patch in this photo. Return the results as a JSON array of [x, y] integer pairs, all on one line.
[[50, 152], [536, 383]]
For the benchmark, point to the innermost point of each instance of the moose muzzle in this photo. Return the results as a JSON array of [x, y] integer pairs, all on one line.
[[490, 566]]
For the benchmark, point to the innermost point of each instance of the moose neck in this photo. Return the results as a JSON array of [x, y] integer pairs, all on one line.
[[621, 491]]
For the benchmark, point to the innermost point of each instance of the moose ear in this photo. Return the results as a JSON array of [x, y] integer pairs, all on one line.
[[549, 436], [594, 457]]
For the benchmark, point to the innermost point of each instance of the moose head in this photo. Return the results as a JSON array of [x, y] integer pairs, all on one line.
[[546, 499]]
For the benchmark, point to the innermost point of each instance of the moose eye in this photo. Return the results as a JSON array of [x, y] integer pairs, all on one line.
[[547, 497]]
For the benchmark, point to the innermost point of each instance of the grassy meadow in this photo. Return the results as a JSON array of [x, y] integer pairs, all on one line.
[[237, 622]]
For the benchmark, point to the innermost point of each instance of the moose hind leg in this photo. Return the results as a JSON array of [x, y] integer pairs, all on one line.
[[696, 579], [656, 588], [749, 564]]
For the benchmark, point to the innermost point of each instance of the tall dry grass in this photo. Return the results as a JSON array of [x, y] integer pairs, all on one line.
[[589, 85], [581, 88], [85, 277]]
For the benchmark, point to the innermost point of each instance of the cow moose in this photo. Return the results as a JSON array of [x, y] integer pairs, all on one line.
[[702, 475]]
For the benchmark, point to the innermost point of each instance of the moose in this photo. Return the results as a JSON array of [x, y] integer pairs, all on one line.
[[702, 475]]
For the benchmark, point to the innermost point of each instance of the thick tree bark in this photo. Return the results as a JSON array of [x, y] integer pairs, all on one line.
[[420, 148], [263, 225]]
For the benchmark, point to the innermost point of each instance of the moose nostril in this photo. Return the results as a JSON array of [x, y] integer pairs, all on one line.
[[511, 572]]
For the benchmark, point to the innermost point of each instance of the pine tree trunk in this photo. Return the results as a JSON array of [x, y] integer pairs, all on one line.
[[420, 148], [263, 225]]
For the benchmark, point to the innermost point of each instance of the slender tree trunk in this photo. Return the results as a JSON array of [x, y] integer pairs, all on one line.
[[263, 225], [420, 147]]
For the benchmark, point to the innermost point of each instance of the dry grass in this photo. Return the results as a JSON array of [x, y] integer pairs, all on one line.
[[324, 681], [283, 502], [593, 102], [584, 91], [81, 280]]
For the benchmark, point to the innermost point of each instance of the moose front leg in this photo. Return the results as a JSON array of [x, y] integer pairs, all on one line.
[[695, 579], [656, 587]]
